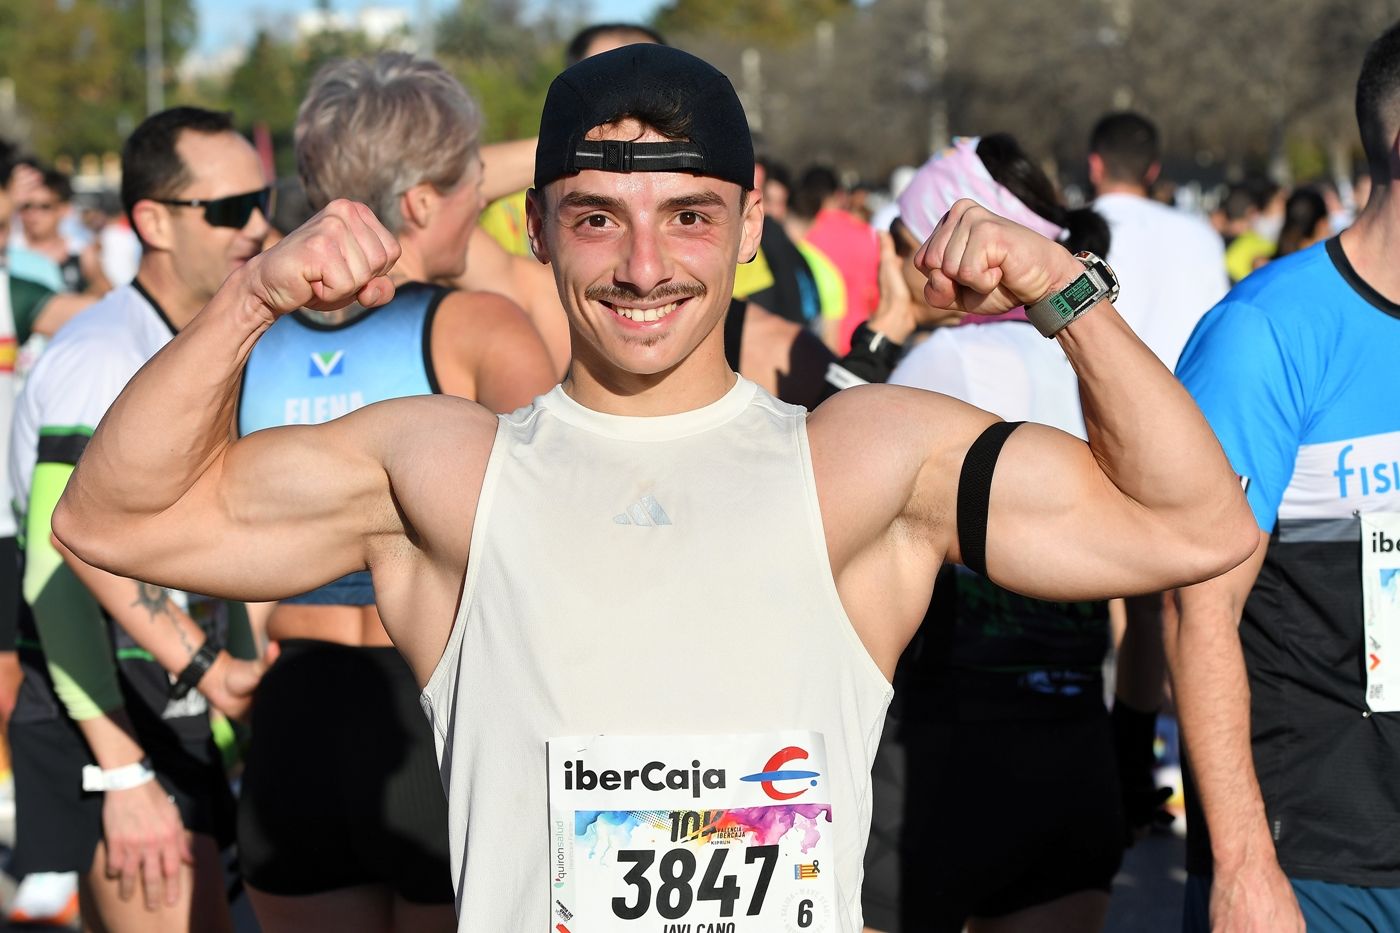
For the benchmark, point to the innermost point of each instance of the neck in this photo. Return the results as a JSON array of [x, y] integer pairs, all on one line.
[[1121, 187], [410, 267], [701, 378], [1372, 243], [179, 303]]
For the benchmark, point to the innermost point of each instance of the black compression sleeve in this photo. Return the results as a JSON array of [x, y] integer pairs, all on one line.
[[975, 493]]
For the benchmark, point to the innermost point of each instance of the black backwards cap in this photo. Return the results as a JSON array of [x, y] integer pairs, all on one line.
[[641, 80]]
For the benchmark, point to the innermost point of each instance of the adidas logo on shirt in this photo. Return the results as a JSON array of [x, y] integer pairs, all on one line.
[[645, 511]]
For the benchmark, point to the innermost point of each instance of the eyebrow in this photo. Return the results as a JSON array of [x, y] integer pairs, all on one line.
[[583, 200], [705, 198]]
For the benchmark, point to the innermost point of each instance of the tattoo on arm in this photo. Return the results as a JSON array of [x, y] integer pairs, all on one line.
[[156, 601]]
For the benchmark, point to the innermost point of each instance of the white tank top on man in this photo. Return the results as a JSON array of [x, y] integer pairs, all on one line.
[[653, 591]]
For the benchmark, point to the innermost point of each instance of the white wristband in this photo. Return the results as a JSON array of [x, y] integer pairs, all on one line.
[[123, 778]]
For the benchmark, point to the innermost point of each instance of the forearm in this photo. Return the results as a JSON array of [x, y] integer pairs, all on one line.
[[1211, 690], [1140, 670], [145, 611], [1148, 436], [112, 740], [173, 419], [507, 167]]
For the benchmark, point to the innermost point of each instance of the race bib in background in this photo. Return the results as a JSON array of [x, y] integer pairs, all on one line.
[[691, 834], [1380, 595]]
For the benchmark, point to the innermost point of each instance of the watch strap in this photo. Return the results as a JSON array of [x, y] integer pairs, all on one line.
[[96, 780], [1057, 310], [194, 672]]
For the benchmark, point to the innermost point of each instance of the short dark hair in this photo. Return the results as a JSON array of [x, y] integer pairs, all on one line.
[[1012, 168], [151, 168], [1306, 208], [817, 183], [58, 183], [577, 48], [1378, 103], [1128, 144], [776, 171]]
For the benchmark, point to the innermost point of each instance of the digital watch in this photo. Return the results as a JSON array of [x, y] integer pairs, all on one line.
[[1055, 311]]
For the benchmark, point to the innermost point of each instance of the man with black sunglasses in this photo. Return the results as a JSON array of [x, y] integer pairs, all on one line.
[[117, 775]]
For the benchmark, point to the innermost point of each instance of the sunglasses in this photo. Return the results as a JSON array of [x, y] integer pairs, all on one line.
[[232, 211]]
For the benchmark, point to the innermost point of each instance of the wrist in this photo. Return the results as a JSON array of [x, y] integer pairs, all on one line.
[[198, 669], [97, 779], [1249, 847]]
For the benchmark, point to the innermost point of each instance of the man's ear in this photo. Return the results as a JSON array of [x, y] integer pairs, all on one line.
[[419, 205], [152, 223], [1153, 171], [753, 224], [1095, 169], [534, 224]]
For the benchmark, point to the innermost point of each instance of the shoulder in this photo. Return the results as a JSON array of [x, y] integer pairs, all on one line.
[[423, 426], [872, 418], [103, 337], [1296, 286], [27, 292], [480, 314]]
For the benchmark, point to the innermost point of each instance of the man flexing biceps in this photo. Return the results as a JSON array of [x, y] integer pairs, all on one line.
[[653, 507]]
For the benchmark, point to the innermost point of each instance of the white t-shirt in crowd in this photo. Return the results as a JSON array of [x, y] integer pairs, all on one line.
[[1004, 367], [1171, 267]]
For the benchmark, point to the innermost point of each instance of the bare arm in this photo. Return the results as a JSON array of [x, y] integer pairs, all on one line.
[[163, 494], [1249, 891], [153, 620], [59, 310], [1148, 504], [1151, 501], [507, 167]]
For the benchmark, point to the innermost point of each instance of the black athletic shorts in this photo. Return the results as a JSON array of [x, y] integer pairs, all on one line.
[[989, 817], [341, 785], [58, 824]]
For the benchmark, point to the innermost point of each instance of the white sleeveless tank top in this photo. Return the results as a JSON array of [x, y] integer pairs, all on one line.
[[651, 664]]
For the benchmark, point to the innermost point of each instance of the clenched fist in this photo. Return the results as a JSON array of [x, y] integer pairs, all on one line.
[[341, 255], [981, 263]]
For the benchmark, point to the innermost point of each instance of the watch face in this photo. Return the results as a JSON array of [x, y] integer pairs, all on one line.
[[1074, 297]]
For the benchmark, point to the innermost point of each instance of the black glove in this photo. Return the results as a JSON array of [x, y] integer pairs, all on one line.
[[1134, 733]]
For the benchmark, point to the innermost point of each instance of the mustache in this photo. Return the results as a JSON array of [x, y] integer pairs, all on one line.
[[669, 291]]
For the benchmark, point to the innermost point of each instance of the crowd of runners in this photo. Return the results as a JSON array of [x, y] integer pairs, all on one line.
[[397, 544]]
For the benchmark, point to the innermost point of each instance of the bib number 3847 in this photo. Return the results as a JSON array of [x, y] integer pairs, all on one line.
[[631, 850]]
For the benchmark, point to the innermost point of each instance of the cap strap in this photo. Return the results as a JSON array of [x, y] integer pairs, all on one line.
[[613, 155]]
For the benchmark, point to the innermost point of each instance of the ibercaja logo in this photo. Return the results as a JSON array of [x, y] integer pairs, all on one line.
[[773, 772]]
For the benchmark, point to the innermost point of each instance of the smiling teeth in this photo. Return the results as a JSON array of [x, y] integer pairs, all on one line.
[[647, 314]]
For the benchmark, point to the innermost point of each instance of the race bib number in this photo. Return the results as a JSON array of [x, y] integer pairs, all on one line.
[[691, 834], [1380, 600]]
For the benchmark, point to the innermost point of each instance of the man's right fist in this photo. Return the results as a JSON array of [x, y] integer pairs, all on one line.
[[341, 255]]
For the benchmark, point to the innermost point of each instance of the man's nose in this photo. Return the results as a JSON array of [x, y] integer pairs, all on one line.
[[646, 263]]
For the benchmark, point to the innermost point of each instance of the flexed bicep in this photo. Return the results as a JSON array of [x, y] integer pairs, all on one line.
[[1057, 527]]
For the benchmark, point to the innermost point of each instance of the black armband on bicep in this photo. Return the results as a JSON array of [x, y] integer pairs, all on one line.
[[975, 493]]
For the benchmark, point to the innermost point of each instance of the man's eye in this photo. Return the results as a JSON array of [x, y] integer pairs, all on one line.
[[688, 218], [596, 220]]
